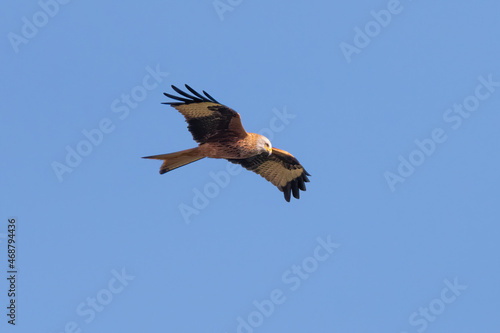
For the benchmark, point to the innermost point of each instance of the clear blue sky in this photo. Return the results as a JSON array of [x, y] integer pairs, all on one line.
[[393, 107]]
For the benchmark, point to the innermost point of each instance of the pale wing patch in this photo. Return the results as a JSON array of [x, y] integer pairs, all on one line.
[[196, 110], [281, 169], [277, 174]]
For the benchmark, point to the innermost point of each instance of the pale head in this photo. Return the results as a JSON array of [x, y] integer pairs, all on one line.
[[264, 145]]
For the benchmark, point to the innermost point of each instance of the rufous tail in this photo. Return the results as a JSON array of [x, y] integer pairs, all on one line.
[[176, 160]]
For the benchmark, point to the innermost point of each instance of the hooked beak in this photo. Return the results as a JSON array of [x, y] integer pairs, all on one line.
[[269, 150]]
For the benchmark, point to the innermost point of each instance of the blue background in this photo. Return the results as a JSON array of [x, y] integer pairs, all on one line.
[[352, 119]]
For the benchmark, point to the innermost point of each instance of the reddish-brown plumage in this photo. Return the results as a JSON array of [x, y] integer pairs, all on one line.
[[220, 134], [231, 147]]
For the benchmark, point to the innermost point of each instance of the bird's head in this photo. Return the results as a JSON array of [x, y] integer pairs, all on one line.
[[264, 145]]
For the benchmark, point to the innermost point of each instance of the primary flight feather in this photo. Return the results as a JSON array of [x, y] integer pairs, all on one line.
[[219, 133]]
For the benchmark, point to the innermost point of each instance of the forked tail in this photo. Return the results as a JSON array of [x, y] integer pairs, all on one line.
[[175, 160]]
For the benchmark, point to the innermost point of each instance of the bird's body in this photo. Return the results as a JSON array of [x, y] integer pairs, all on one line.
[[220, 134], [232, 147]]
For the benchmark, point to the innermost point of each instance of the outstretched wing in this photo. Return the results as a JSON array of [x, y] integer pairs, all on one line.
[[281, 169], [206, 117]]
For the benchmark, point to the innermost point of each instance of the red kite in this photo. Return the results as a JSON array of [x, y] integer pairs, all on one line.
[[220, 134]]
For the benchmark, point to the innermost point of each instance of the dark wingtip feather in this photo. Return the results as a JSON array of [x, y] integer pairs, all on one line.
[[176, 89], [188, 99], [295, 189], [301, 184], [182, 99], [197, 94], [287, 191], [170, 96], [305, 178], [210, 97], [183, 93]]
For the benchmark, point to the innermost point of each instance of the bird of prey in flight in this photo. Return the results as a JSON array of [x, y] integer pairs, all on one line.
[[219, 133]]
